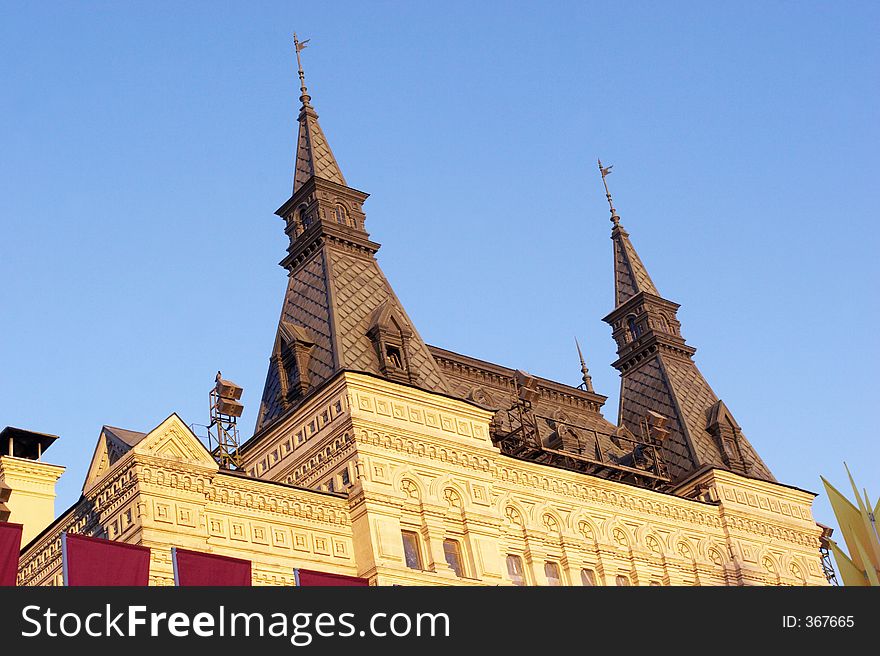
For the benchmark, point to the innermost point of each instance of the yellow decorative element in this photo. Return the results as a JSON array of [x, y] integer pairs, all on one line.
[[30, 486], [431, 470], [858, 525]]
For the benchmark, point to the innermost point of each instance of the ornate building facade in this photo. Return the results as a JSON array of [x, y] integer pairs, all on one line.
[[380, 456]]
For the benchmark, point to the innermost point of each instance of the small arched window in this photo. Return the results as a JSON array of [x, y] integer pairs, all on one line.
[[305, 218], [339, 213], [588, 577], [515, 569], [551, 572], [635, 330]]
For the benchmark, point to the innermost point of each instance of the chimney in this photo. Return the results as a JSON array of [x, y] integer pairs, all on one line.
[[27, 484]]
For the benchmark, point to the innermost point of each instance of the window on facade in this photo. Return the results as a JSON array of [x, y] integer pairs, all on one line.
[[515, 570], [452, 551], [304, 217], [622, 580], [551, 571], [411, 551], [339, 213], [392, 355], [346, 479], [635, 330], [331, 485], [588, 577]]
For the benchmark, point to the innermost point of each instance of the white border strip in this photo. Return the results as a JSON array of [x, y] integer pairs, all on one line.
[[65, 576], [174, 565]]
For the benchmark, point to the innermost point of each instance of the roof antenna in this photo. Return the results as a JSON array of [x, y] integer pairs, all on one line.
[[223, 430]]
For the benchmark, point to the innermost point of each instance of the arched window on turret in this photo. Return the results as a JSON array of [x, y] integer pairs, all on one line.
[[340, 214], [304, 218], [635, 330]]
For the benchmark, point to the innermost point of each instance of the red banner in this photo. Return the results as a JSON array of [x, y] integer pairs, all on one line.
[[195, 568], [92, 561], [10, 546], [308, 577]]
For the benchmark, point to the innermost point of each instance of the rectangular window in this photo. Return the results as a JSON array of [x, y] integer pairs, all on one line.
[[588, 577], [551, 571], [452, 551], [515, 569], [411, 551], [346, 479], [331, 485], [622, 580]]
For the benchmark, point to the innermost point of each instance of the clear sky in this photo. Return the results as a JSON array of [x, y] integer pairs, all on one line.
[[145, 147]]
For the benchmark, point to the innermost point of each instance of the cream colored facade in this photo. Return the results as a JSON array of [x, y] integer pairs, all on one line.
[[423, 462], [33, 501]]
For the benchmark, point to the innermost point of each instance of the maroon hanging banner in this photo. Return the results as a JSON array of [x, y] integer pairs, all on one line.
[[196, 568], [10, 546], [92, 561], [309, 577]]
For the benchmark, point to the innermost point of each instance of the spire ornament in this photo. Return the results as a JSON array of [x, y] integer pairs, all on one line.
[[606, 171], [585, 373], [299, 46]]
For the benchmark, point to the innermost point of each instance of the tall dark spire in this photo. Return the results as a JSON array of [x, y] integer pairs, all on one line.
[[313, 154], [630, 275], [339, 312], [658, 374]]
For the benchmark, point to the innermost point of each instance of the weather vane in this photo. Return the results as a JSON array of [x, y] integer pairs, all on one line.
[[299, 46], [606, 171]]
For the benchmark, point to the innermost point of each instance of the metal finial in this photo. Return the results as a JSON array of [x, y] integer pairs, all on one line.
[[605, 171], [299, 46], [588, 382]]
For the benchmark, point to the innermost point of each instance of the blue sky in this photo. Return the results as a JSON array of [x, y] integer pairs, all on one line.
[[147, 145]]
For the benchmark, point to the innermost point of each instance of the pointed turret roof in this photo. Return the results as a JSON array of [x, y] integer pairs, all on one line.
[[659, 376], [630, 275], [339, 312], [313, 154]]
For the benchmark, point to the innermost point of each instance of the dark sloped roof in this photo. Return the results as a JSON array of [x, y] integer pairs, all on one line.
[[124, 435]]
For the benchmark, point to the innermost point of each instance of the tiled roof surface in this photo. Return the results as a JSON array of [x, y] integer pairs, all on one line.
[[359, 287], [696, 399], [630, 275], [644, 389], [313, 153], [306, 303], [129, 437]]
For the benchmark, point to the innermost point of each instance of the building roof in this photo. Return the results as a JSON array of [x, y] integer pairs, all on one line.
[[25, 443], [630, 275], [129, 437]]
